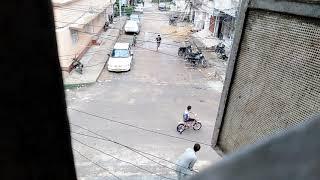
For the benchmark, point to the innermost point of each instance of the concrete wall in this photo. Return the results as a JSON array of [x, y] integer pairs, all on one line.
[[272, 82], [62, 2]]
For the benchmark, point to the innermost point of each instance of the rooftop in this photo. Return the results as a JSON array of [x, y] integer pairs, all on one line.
[[223, 5], [67, 12]]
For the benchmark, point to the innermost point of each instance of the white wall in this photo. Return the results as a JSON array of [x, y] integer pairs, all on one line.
[[67, 49], [225, 4], [60, 2]]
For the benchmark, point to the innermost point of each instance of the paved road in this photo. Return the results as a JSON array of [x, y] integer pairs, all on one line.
[[153, 95]]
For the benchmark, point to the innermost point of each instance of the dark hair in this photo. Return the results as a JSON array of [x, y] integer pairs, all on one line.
[[189, 107], [196, 147], [158, 34]]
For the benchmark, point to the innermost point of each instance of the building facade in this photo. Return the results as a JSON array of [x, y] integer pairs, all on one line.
[[214, 21], [202, 12], [225, 14], [78, 24]]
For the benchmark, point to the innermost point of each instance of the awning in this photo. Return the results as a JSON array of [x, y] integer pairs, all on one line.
[[84, 20]]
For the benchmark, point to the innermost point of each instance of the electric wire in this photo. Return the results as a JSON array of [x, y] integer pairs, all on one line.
[[133, 150], [140, 128], [98, 165], [101, 137], [99, 10], [80, 142]]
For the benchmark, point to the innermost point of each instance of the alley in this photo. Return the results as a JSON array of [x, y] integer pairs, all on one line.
[[152, 96]]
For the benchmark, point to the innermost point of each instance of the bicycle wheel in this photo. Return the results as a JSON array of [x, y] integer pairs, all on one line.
[[180, 52], [197, 126], [180, 128]]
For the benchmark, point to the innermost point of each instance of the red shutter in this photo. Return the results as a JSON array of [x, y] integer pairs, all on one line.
[[212, 20]]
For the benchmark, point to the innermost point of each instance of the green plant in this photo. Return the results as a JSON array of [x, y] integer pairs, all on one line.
[[129, 10], [115, 11]]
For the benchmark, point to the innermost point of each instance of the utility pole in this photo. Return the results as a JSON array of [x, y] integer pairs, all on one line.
[[120, 2], [120, 6]]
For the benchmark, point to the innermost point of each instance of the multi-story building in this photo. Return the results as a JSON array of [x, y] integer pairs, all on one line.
[[215, 21], [225, 12], [78, 23], [202, 11]]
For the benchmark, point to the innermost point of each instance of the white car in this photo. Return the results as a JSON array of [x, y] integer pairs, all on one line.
[[135, 17], [162, 7], [132, 27], [138, 9], [121, 58]]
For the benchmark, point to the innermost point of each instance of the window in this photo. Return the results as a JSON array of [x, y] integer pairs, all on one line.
[[74, 36], [120, 53], [89, 28]]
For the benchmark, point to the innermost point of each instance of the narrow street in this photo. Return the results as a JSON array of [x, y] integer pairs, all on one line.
[[152, 96]]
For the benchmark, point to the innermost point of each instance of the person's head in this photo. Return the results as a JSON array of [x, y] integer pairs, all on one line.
[[196, 147], [158, 35], [189, 108], [135, 34]]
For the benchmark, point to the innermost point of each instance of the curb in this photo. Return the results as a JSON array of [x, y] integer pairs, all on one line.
[[116, 39], [73, 86]]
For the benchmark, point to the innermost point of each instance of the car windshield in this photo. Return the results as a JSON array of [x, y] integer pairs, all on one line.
[[120, 53], [134, 17]]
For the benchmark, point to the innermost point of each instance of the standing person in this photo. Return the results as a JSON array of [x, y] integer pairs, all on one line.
[[186, 162], [143, 3], [158, 39], [134, 40]]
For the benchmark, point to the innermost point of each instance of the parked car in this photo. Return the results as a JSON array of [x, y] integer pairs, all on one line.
[[162, 7], [135, 17], [138, 8], [120, 58], [132, 27]]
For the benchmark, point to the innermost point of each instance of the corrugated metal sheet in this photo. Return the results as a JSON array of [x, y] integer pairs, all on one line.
[[276, 81]]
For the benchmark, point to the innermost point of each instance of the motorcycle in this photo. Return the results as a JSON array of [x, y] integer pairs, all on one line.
[[78, 66], [173, 20], [223, 56], [197, 59], [183, 51], [196, 125], [106, 26], [220, 48]]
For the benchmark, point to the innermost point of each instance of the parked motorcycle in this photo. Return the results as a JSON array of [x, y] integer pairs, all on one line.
[[223, 56], [106, 26], [183, 51], [78, 66], [173, 20], [196, 125], [197, 59], [220, 48]]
